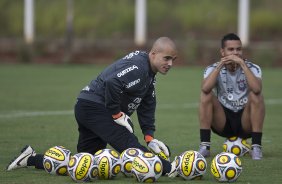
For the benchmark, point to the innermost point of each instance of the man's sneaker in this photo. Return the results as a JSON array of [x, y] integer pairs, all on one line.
[[204, 149], [21, 160], [173, 173], [256, 152]]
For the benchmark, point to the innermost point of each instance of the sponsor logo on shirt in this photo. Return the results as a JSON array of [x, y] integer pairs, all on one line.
[[239, 102], [133, 83], [134, 105], [130, 55], [234, 103], [125, 71]]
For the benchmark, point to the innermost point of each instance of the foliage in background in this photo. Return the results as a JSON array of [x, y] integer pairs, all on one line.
[[100, 19]]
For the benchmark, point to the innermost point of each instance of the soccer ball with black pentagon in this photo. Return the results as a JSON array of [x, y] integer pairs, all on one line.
[[107, 163], [56, 159], [79, 167], [191, 165], [236, 145], [147, 167], [126, 158], [226, 167]]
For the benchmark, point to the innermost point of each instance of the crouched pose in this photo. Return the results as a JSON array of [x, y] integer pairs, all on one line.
[[104, 106]]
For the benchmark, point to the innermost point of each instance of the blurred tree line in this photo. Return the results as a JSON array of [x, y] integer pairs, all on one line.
[[184, 20]]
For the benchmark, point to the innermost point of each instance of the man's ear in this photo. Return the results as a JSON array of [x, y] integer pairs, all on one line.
[[222, 52], [152, 54]]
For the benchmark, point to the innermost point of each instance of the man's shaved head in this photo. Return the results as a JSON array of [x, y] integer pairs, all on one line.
[[163, 43]]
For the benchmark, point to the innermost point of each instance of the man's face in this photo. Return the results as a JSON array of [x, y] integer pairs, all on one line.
[[232, 47], [162, 61]]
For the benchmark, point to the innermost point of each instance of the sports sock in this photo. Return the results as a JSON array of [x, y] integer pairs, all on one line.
[[256, 138], [36, 161], [205, 135]]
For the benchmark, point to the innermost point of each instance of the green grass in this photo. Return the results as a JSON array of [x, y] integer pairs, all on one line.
[[26, 89]]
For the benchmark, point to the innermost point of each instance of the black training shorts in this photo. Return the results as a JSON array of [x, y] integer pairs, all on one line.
[[233, 125]]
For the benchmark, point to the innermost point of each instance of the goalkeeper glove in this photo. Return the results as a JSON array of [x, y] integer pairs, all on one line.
[[124, 120], [158, 148]]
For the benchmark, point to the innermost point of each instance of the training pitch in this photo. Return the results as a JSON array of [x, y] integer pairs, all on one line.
[[37, 102]]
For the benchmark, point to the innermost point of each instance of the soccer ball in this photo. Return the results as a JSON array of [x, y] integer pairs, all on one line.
[[107, 163], [56, 159], [191, 165], [126, 158], [79, 167], [226, 167], [236, 145], [93, 171], [147, 167]]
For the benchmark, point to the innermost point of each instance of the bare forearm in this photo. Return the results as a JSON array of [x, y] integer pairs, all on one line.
[[209, 82], [254, 83]]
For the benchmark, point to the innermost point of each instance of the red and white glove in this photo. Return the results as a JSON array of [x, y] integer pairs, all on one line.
[[124, 120]]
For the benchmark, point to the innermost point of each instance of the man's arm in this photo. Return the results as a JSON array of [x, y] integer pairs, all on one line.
[[210, 78], [254, 83], [146, 112]]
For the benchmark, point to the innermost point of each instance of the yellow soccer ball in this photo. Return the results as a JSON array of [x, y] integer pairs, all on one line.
[[56, 159], [226, 167], [147, 167], [191, 165]]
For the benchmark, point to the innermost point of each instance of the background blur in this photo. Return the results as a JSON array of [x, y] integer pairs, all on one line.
[[103, 30]]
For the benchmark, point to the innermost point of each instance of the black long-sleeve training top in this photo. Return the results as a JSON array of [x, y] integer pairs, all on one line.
[[127, 85]]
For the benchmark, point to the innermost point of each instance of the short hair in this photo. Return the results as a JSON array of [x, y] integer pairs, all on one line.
[[229, 36]]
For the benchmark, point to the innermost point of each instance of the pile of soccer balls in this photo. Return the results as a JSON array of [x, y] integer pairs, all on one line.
[[144, 167], [104, 164]]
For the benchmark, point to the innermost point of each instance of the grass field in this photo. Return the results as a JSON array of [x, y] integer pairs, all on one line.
[[36, 108]]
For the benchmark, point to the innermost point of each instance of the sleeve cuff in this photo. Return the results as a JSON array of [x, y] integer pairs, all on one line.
[[116, 116], [148, 138]]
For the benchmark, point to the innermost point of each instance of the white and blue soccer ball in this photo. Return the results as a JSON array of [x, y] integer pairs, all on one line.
[[79, 167], [236, 145], [147, 167], [56, 159], [126, 158], [106, 164], [226, 167], [191, 165]]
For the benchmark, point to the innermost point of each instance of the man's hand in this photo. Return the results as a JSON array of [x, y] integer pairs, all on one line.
[[125, 121], [159, 148]]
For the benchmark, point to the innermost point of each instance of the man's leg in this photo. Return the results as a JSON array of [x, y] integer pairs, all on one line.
[[252, 121], [95, 119], [211, 114]]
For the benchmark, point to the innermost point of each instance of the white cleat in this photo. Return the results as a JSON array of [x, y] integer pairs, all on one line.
[[21, 160]]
